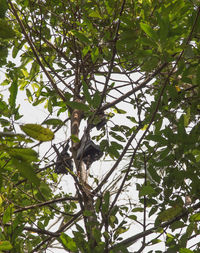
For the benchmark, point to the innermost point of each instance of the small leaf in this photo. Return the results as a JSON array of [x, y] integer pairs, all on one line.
[[97, 99], [146, 190], [187, 117], [38, 132], [148, 30], [195, 217], [86, 93], [94, 54], [68, 242], [13, 94], [81, 36], [177, 88], [75, 139], [97, 205], [95, 14], [132, 217], [5, 245], [105, 205], [120, 111], [7, 215], [144, 127], [184, 250], [29, 95], [79, 106], [137, 209], [53, 122]]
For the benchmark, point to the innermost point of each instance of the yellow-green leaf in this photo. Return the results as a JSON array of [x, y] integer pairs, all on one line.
[[170, 213], [5, 245], [38, 132]]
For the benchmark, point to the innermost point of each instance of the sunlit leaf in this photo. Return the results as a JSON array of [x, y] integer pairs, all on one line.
[[5, 245], [38, 132], [68, 242]]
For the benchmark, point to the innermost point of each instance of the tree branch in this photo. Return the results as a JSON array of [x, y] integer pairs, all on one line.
[[129, 241]]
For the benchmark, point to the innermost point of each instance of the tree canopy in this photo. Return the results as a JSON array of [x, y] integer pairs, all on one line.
[[115, 165]]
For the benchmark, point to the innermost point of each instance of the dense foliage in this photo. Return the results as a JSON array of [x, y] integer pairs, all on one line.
[[130, 68]]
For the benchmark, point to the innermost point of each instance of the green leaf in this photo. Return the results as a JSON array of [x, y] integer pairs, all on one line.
[[75, 139], [95, 14], [4, 122], [26, 170], [120, 111], [86, 93], [95, 54], [154, 174], [195, 217], [146, 190], [97, 99], [29, 95], [13, 94], [34, 69], [53, 122], [187, 117], [87, 213], [170, 213], [68, 242], [79, 106], [105, 205], [184, 250], [81, 37], [38, 132], [148, 30], [6, 31], [97, 205], [5, 245], [25, 154], [132, 217], [3, 8], [7, 214], [10, 134]]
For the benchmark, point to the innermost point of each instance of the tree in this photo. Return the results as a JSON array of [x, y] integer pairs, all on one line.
[[121, 79]]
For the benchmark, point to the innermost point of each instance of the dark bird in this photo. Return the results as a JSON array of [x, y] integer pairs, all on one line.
[[63, 161], [89, 152]]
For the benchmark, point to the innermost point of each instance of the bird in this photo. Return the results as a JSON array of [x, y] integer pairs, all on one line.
[[89, 152], [63, 162]]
